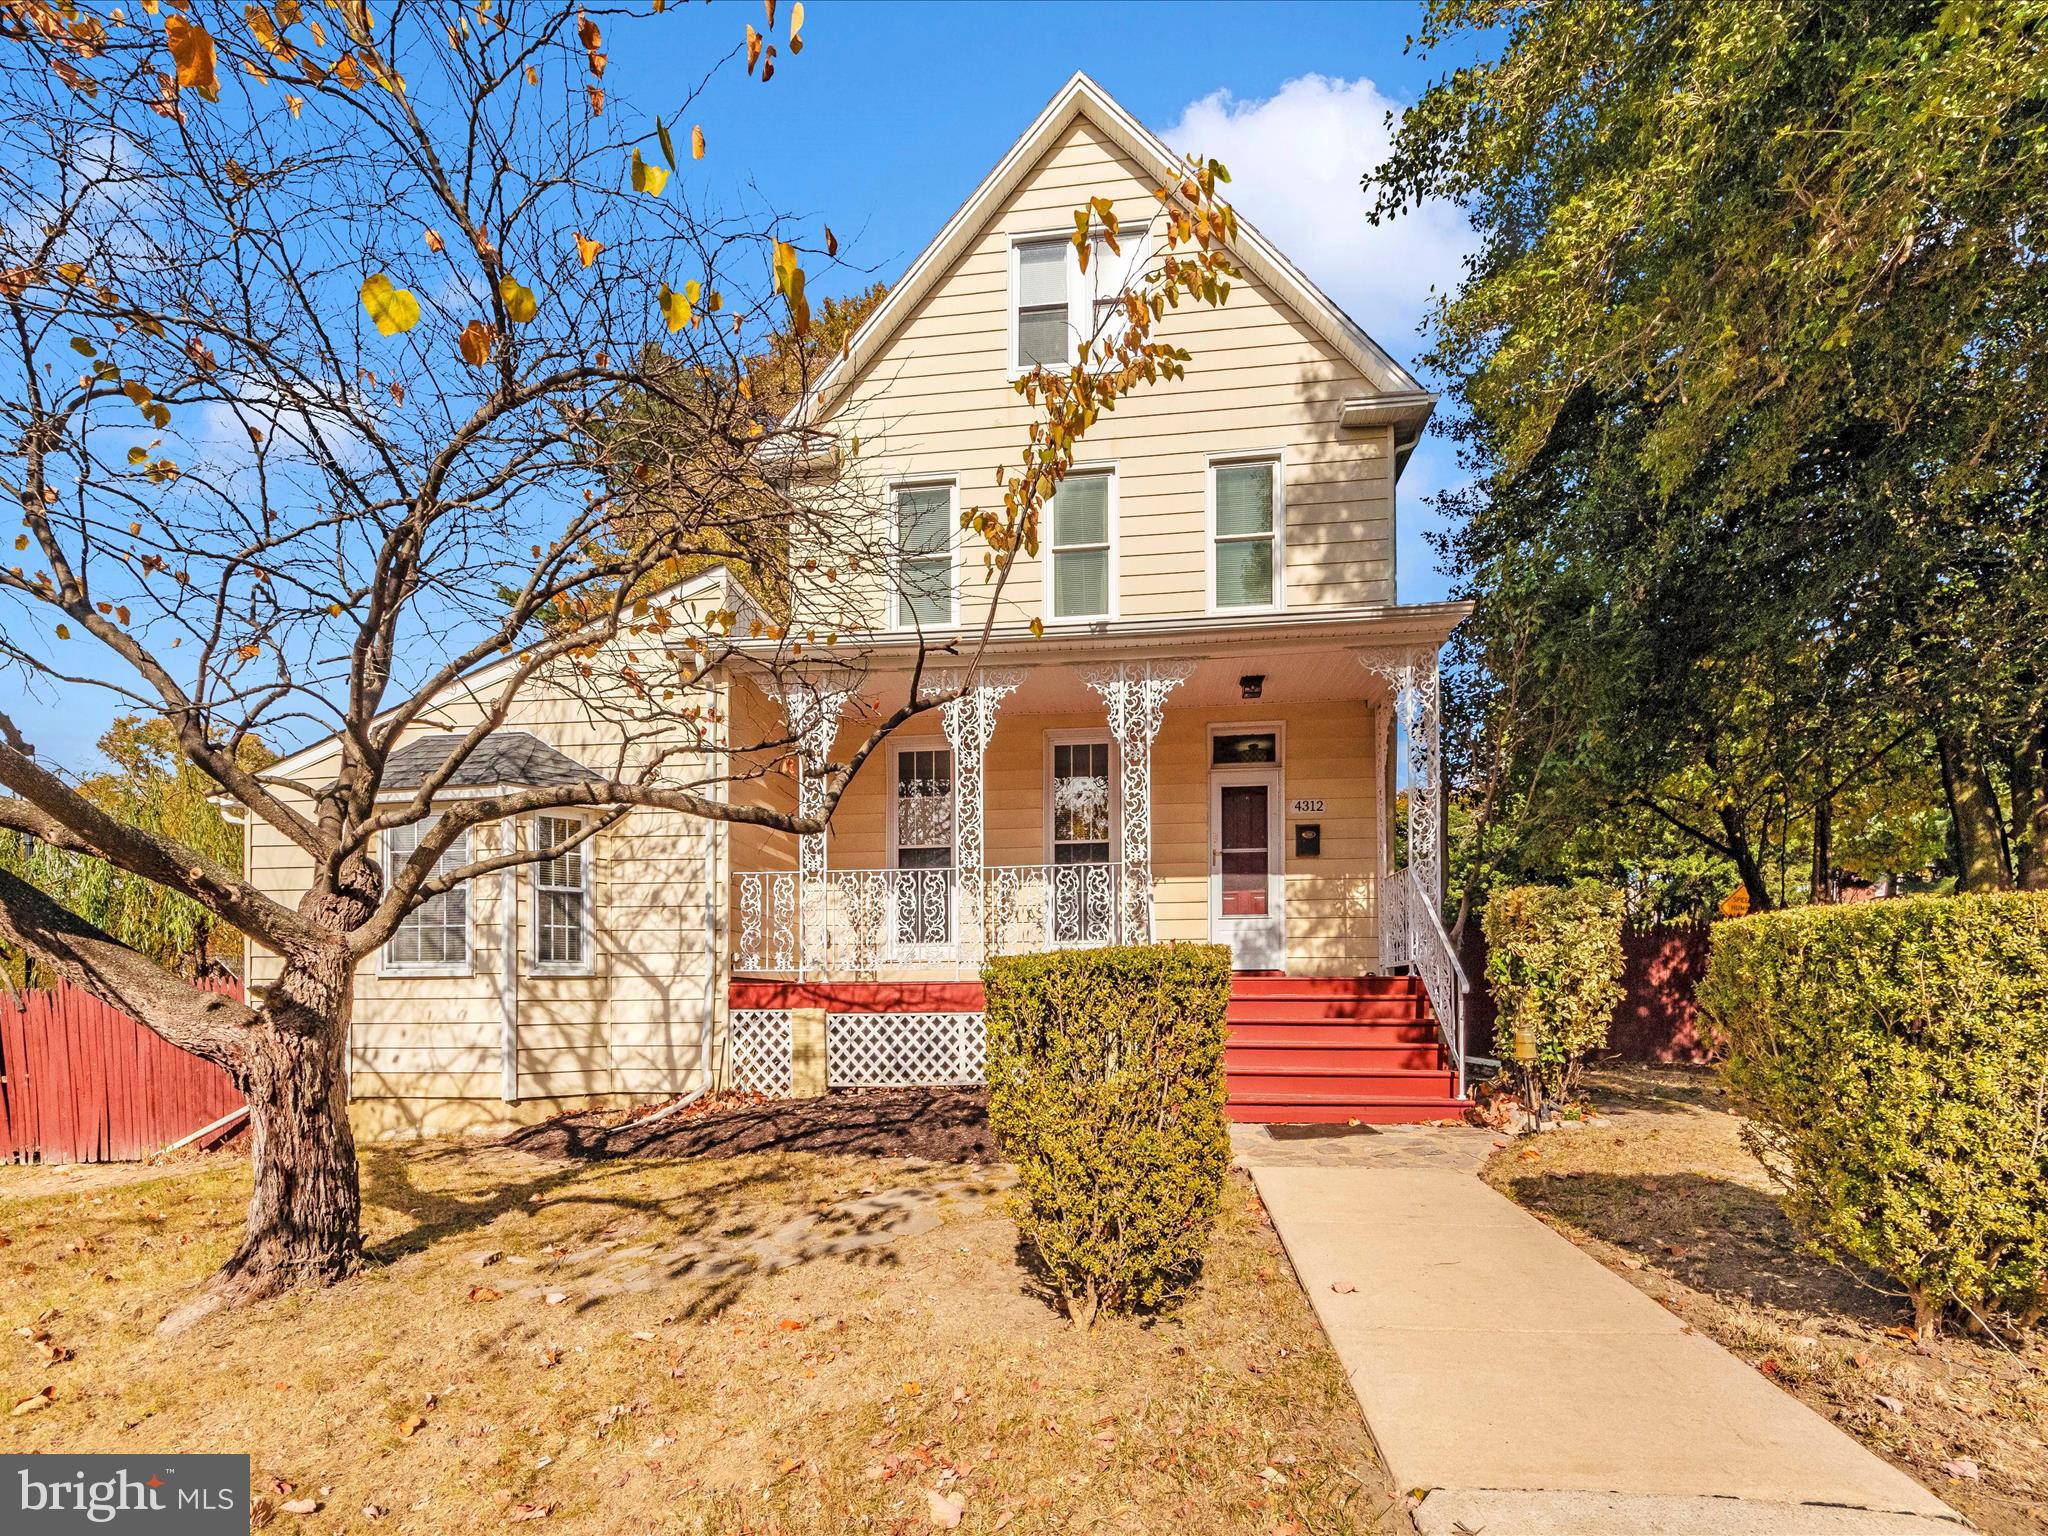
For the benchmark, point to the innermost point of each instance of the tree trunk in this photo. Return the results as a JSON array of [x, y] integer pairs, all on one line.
[[1823, 880], [2030, 810], [1973, 812], [305, 1214], [1747, 864]]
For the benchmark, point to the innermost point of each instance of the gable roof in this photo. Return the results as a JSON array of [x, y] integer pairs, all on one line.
[[514, 759], [1253, 253]]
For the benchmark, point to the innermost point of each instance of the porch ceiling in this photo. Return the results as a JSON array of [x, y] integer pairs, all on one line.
[[1289, 677], [1301, 659]]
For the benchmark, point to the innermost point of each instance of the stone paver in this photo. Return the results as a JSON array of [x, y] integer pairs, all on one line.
[[1527, 1388]]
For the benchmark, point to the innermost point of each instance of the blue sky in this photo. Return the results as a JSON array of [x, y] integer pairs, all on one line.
[[893, 113]]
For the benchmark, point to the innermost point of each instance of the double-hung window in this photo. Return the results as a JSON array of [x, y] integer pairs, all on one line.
[[924, 555], [1044, 321], [433, 938], [1059, 306], [561, 897], [1246, 496], [1083, 530]]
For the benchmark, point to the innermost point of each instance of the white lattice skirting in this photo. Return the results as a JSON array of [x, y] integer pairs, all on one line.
[[904, 1050], [760, 1058]]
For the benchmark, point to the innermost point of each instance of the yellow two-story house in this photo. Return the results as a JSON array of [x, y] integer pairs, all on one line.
[[1187, 722]]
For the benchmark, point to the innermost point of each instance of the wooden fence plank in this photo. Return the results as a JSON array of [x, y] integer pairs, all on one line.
[[83, 1082]]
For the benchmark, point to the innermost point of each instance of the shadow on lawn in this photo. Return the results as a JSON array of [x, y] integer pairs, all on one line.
[[1720, 1237], [944, 1125]]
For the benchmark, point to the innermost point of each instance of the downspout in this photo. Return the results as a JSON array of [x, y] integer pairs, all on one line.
[[508, 970]]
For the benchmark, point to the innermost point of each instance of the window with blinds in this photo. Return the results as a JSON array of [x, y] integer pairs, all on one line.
[[924, 555], [433, 938], [1043, 325], [1246, 498], [1081, 533], [561, 897]]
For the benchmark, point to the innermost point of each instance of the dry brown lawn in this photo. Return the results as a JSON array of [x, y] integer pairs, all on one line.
[[1660, 1188], [774, 1342]]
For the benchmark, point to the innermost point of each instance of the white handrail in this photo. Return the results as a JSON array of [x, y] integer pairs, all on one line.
[[1433, 958]]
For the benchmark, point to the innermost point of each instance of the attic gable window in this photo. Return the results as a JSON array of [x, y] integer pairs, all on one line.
[[1043, 324], [1058, 306]]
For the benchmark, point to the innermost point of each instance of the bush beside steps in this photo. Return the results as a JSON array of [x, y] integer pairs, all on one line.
[[1105, 1079]]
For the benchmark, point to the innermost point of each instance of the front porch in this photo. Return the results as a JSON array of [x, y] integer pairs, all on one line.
[[1070, 798]]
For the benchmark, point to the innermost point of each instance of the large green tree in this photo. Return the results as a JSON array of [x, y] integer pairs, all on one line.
[[1748, 359]]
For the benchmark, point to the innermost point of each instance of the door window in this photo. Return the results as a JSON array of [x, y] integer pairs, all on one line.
[[1246, 855]]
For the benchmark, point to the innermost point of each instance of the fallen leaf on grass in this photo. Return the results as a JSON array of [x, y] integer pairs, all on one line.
[[531, 1511], [946, 1508], [412, 1426], [299, 1506], [555, 1298], [1890, 1404], [374, 1511], [34, 1402], [550, 1357], [484, 1293], [1962, 1467], [1344, 1288]]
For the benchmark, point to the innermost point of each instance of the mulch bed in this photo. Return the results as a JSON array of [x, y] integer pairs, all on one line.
[[941, 1125]]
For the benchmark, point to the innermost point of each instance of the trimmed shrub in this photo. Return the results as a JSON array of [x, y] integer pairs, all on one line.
[[1553, 966], [1893, 1060], [1105, 1087]]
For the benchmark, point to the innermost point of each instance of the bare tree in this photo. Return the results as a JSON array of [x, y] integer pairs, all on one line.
[[352, 359]]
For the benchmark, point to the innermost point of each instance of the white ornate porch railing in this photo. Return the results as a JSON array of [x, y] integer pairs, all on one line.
[[857, 922], [1430, 955]]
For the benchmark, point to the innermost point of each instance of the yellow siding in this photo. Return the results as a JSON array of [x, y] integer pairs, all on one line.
[[937, 402], [1327, 754], [426, 1050]]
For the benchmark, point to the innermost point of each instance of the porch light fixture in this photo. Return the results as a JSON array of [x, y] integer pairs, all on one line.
[[1252, 684]]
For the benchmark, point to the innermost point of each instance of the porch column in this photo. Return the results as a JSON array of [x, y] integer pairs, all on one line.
[[969, 721], [1135, 695], [813, 714], [1412, 674]]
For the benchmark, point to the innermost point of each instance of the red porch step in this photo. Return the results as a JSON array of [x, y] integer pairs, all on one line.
[[1362, 1049]]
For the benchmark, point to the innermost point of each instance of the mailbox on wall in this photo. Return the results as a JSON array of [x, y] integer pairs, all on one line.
[[1308, 839]]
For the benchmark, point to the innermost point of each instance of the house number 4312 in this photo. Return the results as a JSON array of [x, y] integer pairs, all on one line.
[[1306, 808]]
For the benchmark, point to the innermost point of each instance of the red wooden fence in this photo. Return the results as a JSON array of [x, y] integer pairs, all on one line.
[[1657, 1019], [83, 1083]]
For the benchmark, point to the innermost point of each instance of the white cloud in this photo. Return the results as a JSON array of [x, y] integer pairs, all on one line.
[[1295, 160]]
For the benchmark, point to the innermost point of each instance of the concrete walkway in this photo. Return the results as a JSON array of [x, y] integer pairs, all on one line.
[[1528, 1389]]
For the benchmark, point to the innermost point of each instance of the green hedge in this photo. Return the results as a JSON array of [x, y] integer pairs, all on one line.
[[1105, 1077], [1893, 1058], [1553, 965]]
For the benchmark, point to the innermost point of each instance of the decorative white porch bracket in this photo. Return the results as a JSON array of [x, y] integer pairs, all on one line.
[[1135, 694], [969, 721], [812, 709]]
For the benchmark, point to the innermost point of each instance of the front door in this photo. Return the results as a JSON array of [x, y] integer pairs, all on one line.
[[1244, 867]]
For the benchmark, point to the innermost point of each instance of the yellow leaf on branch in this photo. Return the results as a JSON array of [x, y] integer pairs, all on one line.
[[520, 304], [648, 178], [192, 47], [391, 309], [796, 26], [678, 309], [475, 343], [586, 248], [697, 143]]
